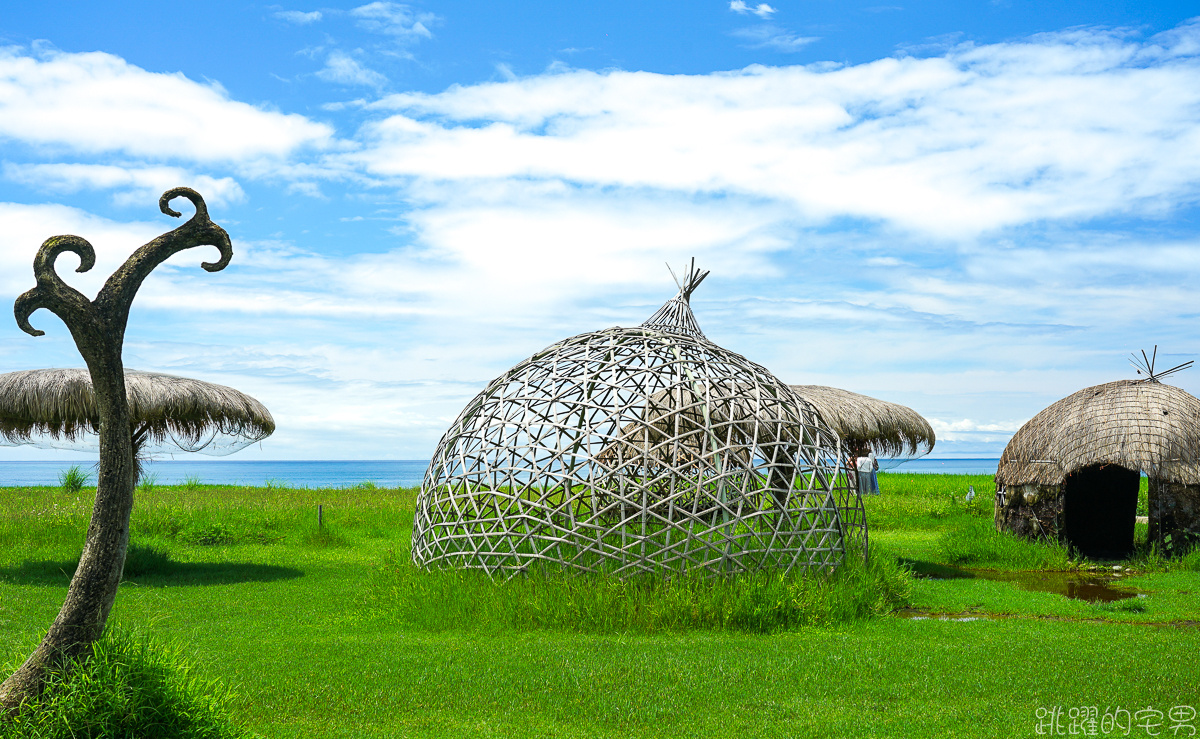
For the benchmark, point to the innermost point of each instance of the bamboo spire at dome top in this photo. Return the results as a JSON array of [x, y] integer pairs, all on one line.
[[675, 316]]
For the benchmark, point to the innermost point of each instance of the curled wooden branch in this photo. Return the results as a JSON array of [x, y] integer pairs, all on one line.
[[115, 298], [199, 220], [118, 292], [51, 292]]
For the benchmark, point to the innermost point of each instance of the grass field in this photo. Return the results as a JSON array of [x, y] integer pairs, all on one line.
[[330, 633]]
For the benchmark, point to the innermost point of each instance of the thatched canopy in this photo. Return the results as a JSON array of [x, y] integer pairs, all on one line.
[[58, 407], [1138, 424], [890, 429]]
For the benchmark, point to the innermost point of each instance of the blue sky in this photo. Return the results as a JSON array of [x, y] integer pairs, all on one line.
[[970, 208]]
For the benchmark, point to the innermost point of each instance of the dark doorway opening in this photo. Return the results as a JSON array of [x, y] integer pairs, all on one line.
[[1099, 510]]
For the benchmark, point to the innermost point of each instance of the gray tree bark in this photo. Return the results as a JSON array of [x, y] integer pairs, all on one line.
[[98, 327]]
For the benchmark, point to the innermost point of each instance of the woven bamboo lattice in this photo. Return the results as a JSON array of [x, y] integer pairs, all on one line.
[[636, 450], [1137, 424]]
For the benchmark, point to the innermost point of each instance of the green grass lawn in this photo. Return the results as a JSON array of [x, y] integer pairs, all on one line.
[[318, 636]]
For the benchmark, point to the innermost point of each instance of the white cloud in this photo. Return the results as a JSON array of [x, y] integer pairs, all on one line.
[[966, 425], [396, 20], [1066, 127], [27, 226], [762, 10], [904, 228], [299, 17], [97, 102], [137, 185], [772, 37], [343, 69]]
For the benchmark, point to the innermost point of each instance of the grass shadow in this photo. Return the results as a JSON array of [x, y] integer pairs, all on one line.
[[152, 567], [933, 570]]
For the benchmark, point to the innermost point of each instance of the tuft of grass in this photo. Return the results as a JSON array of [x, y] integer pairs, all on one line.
[[147, 482], [1125, 605], [975, 541], [324, 537], [213, 533], [1149, 557], [142, 560], [192, 483], [73, 479], [129, 687], [551, 599]]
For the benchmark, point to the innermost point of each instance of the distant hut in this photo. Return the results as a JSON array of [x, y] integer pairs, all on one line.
[[1072, 472]]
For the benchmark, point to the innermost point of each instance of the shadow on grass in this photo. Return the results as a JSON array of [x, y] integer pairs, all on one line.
[[922, 568], [152, 567]]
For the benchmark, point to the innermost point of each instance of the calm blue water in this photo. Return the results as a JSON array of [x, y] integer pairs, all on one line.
[[344, 473], [317, 474], [979, 466]]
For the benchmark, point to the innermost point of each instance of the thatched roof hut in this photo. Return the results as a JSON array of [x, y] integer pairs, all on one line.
[[891, 429], [57, 408], [1137, 424], [1076, 465]]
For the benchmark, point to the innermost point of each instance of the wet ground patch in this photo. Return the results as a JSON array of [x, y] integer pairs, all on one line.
[[1090, 586]]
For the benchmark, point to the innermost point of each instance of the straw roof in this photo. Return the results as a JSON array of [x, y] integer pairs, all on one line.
[[166, 410], [890, 429], [1138, 424]]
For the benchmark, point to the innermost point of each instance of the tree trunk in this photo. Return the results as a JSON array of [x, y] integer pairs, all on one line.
[[93, 588]]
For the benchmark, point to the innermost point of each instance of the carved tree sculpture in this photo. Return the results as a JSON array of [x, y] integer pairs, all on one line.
[[98, 327]]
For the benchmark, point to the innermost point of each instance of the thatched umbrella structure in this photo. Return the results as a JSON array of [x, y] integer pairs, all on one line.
[[1072, 472], [635, 450], [57, 408], [866, 423]]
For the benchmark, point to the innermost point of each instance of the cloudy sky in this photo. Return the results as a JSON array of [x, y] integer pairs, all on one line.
[[971, 208]]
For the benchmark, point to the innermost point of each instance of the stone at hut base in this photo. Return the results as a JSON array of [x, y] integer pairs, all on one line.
[[1174, 515]]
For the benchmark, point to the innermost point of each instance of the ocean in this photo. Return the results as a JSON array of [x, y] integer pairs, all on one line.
[[345, 473]]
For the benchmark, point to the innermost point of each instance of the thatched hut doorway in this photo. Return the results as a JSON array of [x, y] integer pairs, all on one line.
[[1099, 510], [1072, 473]]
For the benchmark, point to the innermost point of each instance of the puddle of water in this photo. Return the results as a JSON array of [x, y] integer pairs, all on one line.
[[1077, 585], [1089, 586]]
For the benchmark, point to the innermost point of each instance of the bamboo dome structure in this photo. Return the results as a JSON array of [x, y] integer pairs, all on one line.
[[636, 450], [1072, 472], [57, 408]]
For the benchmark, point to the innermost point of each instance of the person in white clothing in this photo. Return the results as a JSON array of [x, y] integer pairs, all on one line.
[[868, 479]]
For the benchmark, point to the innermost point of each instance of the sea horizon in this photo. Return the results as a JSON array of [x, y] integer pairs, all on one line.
[[349, 472]]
